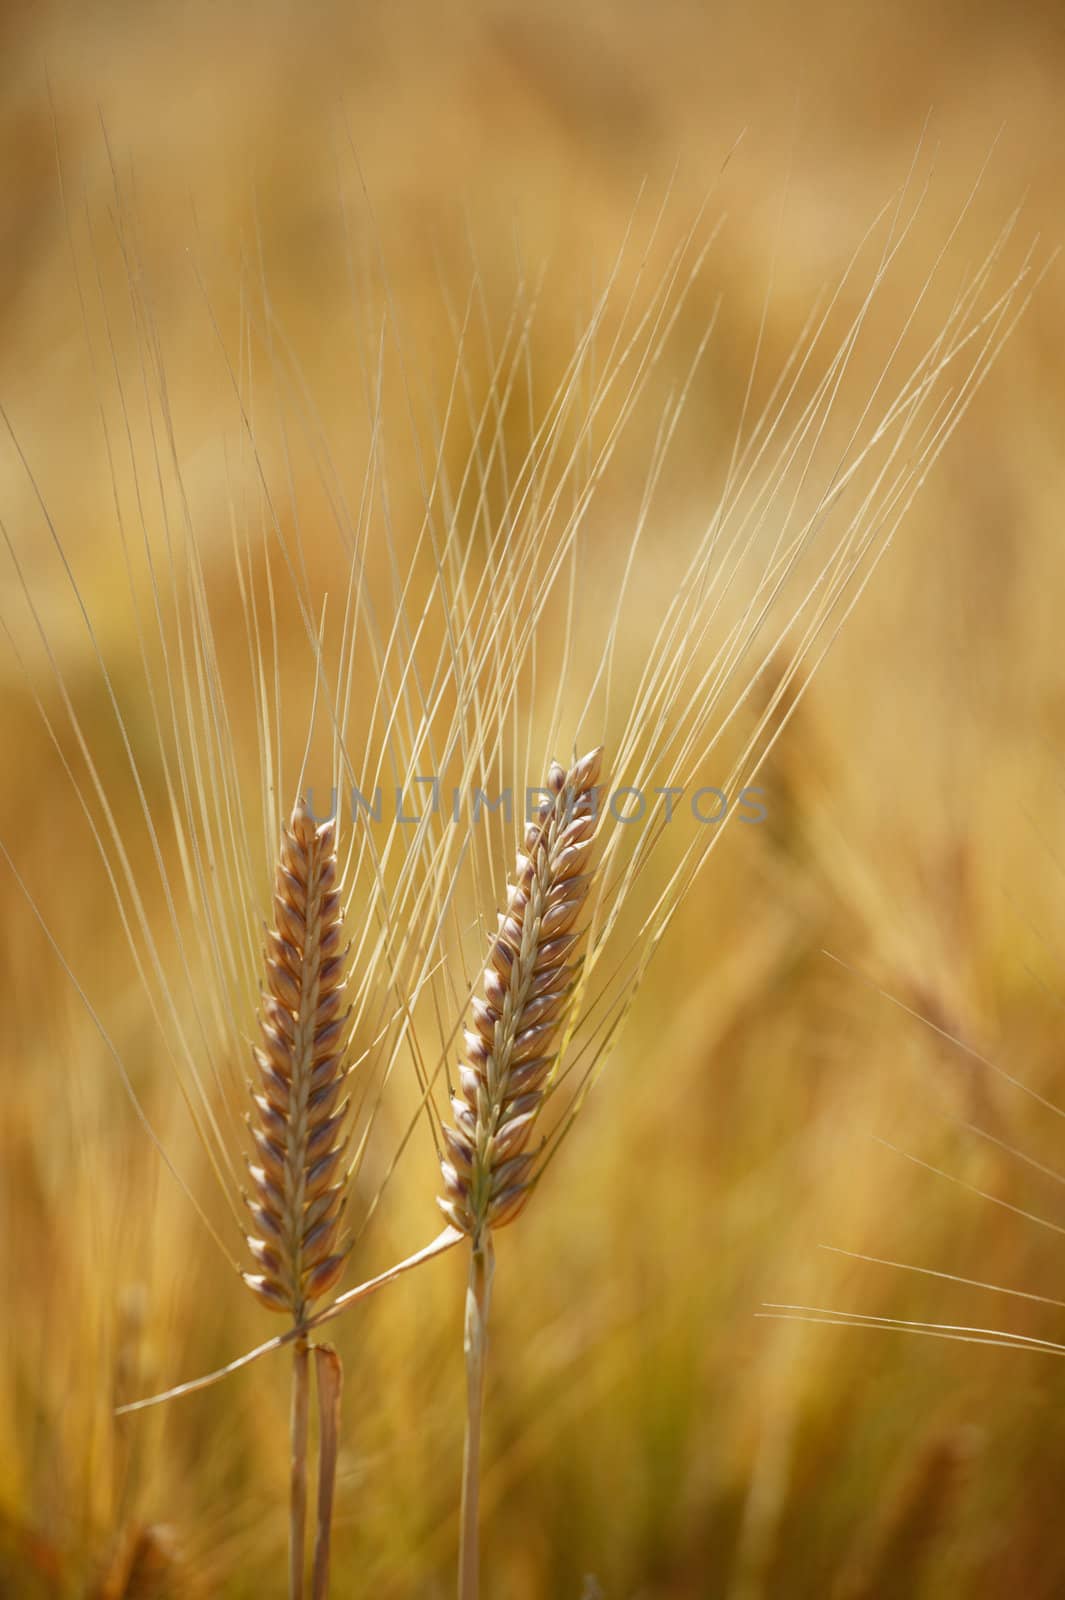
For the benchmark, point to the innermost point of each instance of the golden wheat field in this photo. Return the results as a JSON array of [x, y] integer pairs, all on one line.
[[394, 400]]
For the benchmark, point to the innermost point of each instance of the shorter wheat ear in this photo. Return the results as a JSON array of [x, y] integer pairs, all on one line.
[[298, 1123]]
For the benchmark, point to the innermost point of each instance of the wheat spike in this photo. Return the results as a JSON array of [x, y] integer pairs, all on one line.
[[528, 983], [297, 1123]]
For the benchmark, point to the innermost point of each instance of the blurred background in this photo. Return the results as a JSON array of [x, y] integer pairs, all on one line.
[[650, 1436]]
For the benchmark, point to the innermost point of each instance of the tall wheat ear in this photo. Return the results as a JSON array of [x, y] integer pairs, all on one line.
[[298, 1127], [506, 1066]]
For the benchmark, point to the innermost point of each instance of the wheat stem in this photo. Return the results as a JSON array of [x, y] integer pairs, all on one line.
[[443, 1241], [478, 1300], [298, 1491], [329, 1378]]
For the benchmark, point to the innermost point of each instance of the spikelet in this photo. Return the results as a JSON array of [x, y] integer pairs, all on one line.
[[297, 1124], [528, 983]]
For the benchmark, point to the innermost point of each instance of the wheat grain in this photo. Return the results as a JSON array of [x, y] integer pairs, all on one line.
[[298, 1126], [528, 982]]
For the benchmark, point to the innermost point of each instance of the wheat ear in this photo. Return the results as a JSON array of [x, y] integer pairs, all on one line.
[[506, 1065], [298, 1122]]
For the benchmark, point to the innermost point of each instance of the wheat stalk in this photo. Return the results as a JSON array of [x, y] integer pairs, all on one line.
[[298, 1126], [507, 1064]]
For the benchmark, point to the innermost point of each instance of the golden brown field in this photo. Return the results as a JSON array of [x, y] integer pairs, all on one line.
[[282, 322]]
